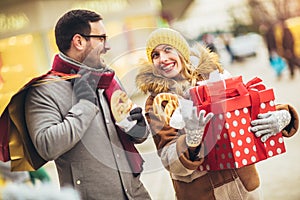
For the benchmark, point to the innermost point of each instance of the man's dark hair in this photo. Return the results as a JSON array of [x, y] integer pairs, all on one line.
[[75, 21]]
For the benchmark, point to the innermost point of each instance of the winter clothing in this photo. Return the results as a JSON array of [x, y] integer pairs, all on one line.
[[190, 183], [288, 43], [83, 88], [271, 40], [170, 37], [83, 139], [277, 121], [109, 83], [277, 63]]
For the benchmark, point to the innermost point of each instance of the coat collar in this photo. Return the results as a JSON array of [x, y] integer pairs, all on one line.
[[148, 81]]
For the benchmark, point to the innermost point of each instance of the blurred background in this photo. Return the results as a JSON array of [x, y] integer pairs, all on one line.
[[247, 34]]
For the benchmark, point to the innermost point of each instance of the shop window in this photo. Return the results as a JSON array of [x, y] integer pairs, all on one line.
[[22, 57]]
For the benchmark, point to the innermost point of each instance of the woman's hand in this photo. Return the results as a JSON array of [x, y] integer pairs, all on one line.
[[195, 125], [269, 124]]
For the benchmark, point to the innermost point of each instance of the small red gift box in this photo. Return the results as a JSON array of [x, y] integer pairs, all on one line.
[[228, 141]]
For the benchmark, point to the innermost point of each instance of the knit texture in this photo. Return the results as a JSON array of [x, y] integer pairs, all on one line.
[[169, 37]]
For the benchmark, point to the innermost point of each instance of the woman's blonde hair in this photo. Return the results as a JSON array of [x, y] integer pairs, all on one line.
[[187, 71]]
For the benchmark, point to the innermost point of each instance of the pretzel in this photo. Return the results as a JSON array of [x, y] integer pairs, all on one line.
[[120, 105], [170, 106]]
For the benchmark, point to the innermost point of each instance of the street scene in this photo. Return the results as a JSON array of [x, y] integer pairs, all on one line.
[[280, 175], [263, 43]]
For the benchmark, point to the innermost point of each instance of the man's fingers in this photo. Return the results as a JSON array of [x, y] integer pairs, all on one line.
[[82, 71], [93, 84], [135, 116], [85, 76], [136, 110]]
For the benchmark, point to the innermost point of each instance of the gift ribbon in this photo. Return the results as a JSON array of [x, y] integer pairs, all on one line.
[[207, 94], [216, 91], [253, 84], [213, 92], [253, 87]]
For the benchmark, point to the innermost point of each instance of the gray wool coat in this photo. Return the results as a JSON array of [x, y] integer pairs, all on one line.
[[82, 140]]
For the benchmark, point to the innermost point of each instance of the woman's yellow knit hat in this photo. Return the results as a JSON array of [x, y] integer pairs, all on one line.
[[170, 37]]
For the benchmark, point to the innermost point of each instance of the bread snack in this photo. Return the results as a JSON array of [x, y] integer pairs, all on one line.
[[121, 105], [164, 105]]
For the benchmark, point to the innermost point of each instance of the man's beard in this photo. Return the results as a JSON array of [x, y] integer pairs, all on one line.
[[94, 61], [93, 58]]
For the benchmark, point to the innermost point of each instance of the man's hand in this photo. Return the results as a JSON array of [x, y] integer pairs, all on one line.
[[83, 88], [139, 129], [269, 124], [195, 125]]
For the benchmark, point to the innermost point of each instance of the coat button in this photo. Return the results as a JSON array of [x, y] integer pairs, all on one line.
[[78, 182]]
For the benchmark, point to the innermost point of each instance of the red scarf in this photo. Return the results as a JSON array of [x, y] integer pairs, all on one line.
[[106, 80]]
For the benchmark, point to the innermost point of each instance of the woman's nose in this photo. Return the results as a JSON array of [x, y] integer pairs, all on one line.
[[163, 57]]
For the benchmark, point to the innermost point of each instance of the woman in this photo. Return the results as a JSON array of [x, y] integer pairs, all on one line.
[[172, 68]]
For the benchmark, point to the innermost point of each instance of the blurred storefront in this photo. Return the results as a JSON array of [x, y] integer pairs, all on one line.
[[294, 25], [27, 43]]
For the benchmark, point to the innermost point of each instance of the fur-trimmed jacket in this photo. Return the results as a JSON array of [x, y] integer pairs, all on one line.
[[188, 182]]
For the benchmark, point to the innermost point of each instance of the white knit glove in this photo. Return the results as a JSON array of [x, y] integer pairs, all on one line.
[[194, 126], [269, 124]]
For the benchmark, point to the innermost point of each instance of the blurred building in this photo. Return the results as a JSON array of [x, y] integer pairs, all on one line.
[[27, 43], [294, 25]]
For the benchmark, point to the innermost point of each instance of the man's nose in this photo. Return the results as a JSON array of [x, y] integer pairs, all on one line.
[[107, 46]]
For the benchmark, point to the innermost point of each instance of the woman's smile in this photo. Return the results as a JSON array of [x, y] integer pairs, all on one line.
[[167, 67]]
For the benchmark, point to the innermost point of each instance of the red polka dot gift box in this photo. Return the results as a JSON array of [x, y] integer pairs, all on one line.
[[228, 142]]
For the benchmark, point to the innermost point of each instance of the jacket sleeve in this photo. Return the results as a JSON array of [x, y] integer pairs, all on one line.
[[52, 131], [170, 144], [292, 127]]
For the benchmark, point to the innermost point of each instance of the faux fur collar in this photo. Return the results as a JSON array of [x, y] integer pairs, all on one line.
[[147, 81]]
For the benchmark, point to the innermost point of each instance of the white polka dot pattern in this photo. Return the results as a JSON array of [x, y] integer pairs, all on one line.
[[228, 141], [236, 145]]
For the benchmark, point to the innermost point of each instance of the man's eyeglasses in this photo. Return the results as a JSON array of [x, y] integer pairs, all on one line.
[[101, 37]]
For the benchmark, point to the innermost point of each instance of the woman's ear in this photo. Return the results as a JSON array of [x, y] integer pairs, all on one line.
[[78, 42]]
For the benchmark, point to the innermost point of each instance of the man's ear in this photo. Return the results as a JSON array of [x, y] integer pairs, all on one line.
[[78, 42]]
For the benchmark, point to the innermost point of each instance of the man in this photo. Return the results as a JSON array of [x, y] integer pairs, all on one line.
[[288, 45], [70, 120]]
